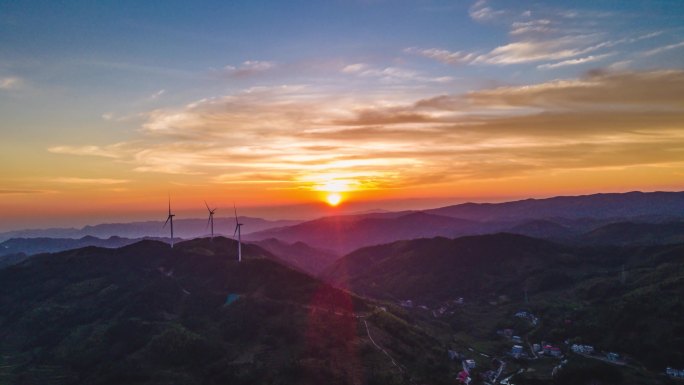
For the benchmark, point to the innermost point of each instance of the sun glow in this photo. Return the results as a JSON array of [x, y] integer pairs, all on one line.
[[333, 198]]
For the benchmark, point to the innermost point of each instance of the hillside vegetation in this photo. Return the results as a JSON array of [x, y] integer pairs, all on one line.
[[149, 314]]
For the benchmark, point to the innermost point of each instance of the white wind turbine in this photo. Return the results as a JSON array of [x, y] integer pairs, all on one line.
[[210, 221], [238, 225], [170, 219]]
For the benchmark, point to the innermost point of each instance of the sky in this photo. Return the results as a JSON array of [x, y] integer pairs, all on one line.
[[108, 107]]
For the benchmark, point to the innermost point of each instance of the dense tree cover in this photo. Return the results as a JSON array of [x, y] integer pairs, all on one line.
[[147, 314]]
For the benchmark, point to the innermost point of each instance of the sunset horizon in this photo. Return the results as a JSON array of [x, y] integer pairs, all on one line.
[[267, 105]]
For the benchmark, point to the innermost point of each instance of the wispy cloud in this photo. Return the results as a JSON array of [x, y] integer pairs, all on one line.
[[248, 68], [514, 53], [536, 50], [110, 151], [481, 11], [156, 95], [662, 49], [552, 35], [443, 55], [531, 26], [20, 192], [392, 74], [10, 83], [577, 61], [89, 181]]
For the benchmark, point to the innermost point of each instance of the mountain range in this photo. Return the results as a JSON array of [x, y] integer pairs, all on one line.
[[183, 228], [633, 204], [565, 219]]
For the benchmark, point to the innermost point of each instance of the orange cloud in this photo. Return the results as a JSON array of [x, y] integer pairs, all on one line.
[[301, 138]]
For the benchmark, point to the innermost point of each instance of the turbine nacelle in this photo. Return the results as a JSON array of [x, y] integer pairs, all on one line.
[[237, 231], [210, 220], [169, 220]]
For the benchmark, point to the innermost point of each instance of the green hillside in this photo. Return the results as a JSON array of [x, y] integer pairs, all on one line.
[[622, 299], [147, 314]]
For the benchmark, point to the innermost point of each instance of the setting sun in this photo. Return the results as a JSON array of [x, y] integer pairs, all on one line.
[[333, 199]]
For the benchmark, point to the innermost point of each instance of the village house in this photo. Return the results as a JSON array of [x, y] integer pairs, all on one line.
[[470, 364], [582, 349], [407, 303], [552, 351], [463, 377], [516, 351], [672, 372], [534, 320]]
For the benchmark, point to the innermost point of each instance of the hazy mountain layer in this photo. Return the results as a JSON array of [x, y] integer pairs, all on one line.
[[300, 255], [31, 246], [183, 228], [346, 233], [599, 206], [559, 218]]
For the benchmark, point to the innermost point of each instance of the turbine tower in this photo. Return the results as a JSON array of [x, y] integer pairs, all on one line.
[[238, 225], [211, 219], [170, 219]]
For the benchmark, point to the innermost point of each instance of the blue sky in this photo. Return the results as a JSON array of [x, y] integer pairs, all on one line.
[[379, 99]]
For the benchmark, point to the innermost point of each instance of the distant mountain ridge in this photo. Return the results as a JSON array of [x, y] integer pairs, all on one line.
[[300, 255], [604, 205], [31, 246], [552, 218], [183, 228], [634, 233], [346, 233]]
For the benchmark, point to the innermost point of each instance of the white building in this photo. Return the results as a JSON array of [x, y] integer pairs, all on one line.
[[582, 349]]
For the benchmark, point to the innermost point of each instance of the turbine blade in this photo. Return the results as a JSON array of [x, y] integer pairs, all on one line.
[[235, 208], [169, 204], [167, 221], [208, 221], [205, 203], [236, 230]]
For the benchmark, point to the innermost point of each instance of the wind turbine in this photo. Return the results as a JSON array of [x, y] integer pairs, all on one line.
[[170, 219], [211, 219], [238, 225]]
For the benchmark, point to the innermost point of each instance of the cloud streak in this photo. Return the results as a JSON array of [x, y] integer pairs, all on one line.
[[392, 74], [10, 83], [577, 61], [89, 181], [248, 68], [662, 49], [110, 151], [566, 37]]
